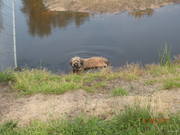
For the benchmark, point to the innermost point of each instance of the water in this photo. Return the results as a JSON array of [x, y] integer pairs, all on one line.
[[6, 38], [50, 39]]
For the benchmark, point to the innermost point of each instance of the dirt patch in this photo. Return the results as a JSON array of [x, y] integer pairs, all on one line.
[[104, 6], [6, 99], [71, 104], [134, 88]]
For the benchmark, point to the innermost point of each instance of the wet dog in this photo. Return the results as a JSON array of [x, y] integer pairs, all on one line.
[[81, 64]]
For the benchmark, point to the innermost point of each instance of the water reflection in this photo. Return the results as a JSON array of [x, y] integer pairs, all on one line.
[[104, 6], [6, 37], [141, 13], [41, 21], [1, 19]]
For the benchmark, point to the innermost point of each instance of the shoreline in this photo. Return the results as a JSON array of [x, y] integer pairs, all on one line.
[[40, 101], [131, 82]]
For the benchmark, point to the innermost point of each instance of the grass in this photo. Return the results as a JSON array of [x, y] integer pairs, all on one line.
[[157, 70], [119, 92], [42, 81], [150, 82], [172, 83], [6, 77], [133, 120], [167, 76], [165, 56]]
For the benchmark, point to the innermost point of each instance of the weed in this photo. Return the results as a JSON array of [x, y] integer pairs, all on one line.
[[150, 82], [133, 121], [42, 81], [172, 83], [165, 56], [119, 92], [6, 77]]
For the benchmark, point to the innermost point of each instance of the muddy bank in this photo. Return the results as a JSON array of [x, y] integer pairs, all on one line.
[[104, 6]]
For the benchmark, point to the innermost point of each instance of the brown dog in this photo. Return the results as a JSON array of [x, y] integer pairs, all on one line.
[[80, 64]]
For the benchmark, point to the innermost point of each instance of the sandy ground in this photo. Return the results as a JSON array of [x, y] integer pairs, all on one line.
[[70, 104]]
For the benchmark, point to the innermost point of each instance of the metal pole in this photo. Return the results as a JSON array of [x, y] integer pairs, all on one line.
[[14, 32]]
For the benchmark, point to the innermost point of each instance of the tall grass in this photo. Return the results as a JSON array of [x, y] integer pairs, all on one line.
[[165, 56], [133, 121], [119, 92], [6, 76], [42, 81]]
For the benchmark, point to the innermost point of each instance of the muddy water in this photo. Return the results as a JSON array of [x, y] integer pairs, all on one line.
[[49, 39]]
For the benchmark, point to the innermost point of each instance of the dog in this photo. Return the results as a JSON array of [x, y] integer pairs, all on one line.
[[81, 64]]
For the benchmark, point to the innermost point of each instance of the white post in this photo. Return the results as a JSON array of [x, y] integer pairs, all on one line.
[[14, 33]]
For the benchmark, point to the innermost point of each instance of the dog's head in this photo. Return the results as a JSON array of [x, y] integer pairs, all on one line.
[[76, 63]]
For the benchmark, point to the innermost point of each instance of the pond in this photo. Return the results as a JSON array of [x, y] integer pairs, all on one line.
[[49, 39]]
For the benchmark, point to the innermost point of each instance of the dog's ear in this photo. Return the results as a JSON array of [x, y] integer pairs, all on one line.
[[82, 62]]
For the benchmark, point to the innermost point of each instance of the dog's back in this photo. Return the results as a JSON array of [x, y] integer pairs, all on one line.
[[95, 62]]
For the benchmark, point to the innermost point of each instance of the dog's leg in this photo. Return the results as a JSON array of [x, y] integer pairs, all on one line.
[[74, 71]]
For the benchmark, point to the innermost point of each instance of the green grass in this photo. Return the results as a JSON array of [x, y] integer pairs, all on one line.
[[157, 70], [119, 92], [167, 76], [42, 81], [133, 121], [6, 77], [172, 83], [150, 82], [165, 56]]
